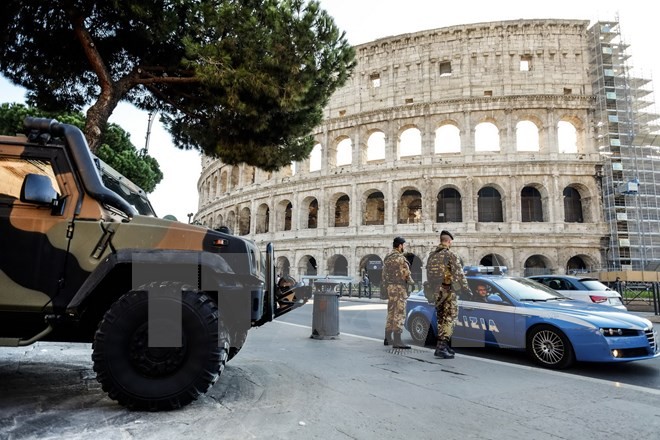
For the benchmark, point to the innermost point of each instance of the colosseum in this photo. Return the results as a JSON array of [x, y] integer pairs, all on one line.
[[486, 130]]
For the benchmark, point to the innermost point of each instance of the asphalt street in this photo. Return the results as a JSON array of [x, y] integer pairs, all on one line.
[[286, 385]]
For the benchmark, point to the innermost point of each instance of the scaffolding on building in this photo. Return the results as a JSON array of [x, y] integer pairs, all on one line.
[[630, 173]]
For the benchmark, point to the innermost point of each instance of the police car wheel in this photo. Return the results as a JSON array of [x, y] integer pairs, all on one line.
[[420, 330], [549, 347], [143, 377]]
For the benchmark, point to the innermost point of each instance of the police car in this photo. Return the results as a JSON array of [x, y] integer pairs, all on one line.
[[518, 313]]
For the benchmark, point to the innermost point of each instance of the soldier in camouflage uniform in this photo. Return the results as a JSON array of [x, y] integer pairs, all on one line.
[[396, 277], [445, 276]]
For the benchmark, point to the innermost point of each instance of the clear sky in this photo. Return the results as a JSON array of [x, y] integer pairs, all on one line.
[[366, 20]]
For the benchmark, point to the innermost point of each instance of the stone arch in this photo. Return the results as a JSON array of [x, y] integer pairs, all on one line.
[[282, 266], [372, 264], [214, 187], [338, 265], [244, 221], [531, 204], [310, 213], [374, 208], [493, 260], [316, 158], [486, 136], [580, 263], [223, 181], [528, 135], [307, 265], [571, 134], [231, 220], [447, 138], [263, 219], [410, 206], [234, 177], [375, 146], [344, 151], [449, 205], [283, 215], [573, 207], [537, 264], [342, 210], [490, 204], [416, 270], [219, 220], [409, 142]]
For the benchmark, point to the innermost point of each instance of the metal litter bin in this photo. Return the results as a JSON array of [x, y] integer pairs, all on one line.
[[325, 314]]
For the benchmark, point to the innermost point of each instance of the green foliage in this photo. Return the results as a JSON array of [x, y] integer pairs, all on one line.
[[115, 148], [243, 80]]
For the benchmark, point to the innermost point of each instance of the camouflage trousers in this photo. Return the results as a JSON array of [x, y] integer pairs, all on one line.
[[447, 312], [396, 308]]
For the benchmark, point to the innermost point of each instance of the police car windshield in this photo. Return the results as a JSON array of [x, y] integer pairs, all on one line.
[[523, 289]]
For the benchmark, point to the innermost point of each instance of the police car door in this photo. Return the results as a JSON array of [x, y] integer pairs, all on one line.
[[485, 321]]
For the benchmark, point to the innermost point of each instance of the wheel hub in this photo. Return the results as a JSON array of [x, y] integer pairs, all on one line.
[[154, 361]]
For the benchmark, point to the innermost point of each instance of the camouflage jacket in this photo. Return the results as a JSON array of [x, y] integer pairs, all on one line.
[[445, 269], [396, 269]]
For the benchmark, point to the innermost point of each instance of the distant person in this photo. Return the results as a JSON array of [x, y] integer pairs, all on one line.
[[396, 277], [444, 271], [365, 280]]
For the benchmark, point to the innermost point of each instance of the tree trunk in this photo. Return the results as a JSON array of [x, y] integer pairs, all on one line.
[[97, 118]]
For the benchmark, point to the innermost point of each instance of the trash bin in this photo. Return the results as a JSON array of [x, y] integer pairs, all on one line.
[[325, 314]]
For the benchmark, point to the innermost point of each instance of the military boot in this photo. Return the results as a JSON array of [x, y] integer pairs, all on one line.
[[397, 341], [441, 351], [388, 338]]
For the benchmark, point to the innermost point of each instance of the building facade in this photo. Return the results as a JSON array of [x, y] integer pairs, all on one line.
[[487, 130]]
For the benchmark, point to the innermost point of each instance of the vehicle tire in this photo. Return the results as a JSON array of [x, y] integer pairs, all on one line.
[[159, 378], [421, 331], [549, 347]]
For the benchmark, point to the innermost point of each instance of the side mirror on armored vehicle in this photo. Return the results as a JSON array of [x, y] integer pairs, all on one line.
[[38, 189]]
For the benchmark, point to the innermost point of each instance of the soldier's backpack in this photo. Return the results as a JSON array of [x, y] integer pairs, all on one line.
[[438, 272]]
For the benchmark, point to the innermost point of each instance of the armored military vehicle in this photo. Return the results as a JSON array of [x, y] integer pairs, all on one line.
[[164, 304]]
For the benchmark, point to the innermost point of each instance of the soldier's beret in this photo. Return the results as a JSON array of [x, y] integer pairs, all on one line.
[[398, 241], [447, 233]]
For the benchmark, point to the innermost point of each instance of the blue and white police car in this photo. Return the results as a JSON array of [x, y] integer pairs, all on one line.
[[522, 314]]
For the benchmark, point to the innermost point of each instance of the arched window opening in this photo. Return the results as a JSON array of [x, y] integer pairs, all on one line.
[[234, 177], [567, 137], [223, 182], [576, 265], [244, 222], [338, 265], [287, 217], [315, 158], [492, 260], [527, 136], [263, 219], [410, 207], [312, 214], [307, 266], [447, 139], [344, 152], [572, 206], [537, 265], [450, 206], [374, 210], [531, 206], [490, 205], [486, 137], [410, 143], [342, 211], [376, 146]]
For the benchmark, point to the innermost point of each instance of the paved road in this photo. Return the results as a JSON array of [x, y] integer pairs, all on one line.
[[367, 318], [286, 385]]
